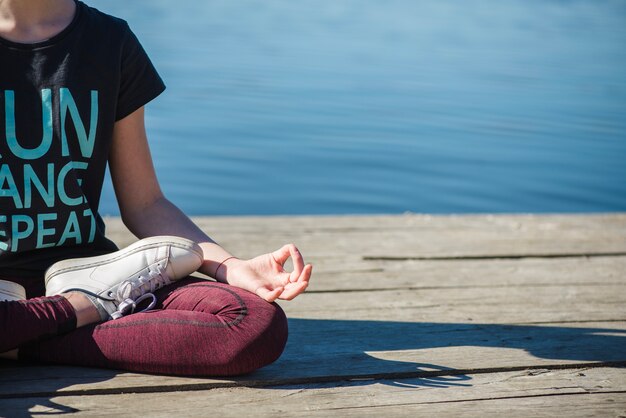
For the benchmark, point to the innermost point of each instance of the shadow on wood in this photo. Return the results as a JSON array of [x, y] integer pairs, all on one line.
[[441, 355], [322, 350], [44, 382]]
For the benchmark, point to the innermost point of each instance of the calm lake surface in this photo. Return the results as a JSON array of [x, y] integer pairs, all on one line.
[[369, 106]]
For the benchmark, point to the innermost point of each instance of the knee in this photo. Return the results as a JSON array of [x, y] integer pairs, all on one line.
[[277, 330], [262, 336]]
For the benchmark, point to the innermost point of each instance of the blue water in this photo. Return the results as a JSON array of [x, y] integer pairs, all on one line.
[[370, 106]]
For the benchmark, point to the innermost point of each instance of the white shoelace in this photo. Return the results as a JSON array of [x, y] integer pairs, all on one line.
[[133, 291]]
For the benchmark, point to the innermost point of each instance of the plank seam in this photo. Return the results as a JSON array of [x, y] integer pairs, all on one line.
[[494, 286], [493, 257], [539, 395], [306, 380]]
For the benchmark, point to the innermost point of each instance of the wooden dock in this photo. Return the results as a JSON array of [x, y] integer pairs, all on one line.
[[407, 315]]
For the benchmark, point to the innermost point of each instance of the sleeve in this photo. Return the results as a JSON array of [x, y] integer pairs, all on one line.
[[139, 80]]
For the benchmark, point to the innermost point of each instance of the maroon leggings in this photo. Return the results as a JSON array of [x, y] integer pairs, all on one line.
[[197, 328]]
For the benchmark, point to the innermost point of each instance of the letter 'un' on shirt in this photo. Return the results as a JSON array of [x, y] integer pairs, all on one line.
[[59, 100]]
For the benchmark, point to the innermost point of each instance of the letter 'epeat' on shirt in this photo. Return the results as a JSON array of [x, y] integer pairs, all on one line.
[[59, 100]]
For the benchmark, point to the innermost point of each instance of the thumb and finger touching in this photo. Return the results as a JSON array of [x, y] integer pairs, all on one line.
[[290, 251], [297, 280]]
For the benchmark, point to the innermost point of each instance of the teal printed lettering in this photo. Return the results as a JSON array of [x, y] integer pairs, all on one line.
[[70, 201], [31, 179], [9, 112], [86, 142], [43, 226], [7, 178], [92, 230], [72, 230], [45, 187], [55, 180], [42, 231], [3, 245], [15, 229]]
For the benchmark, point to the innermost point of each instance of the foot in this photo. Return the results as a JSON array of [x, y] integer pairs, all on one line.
[[117, 282]]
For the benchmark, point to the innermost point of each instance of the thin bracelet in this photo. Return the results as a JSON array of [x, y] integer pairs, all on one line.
[[220, 265]]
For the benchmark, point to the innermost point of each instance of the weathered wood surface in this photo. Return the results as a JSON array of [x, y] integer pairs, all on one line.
[[416, 236], [408, 297], [319, 352], [528, 393]]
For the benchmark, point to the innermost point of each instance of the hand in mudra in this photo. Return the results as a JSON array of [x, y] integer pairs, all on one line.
[[265, 275]]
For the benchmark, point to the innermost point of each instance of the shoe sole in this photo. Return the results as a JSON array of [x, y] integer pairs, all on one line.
[[11, 291], [91, 262]]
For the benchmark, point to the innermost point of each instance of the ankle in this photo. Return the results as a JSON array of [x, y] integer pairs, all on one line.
[[86, 311]]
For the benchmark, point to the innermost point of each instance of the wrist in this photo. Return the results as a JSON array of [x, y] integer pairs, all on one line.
[[221, 271], [214, 255]]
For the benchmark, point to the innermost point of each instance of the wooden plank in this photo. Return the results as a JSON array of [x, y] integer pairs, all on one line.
[[18, 380], [425, 235], [412, 274], [322, 350], [414, 235], [350, 276], [362, 348], [579, 392], [496, 305], [342, 268]]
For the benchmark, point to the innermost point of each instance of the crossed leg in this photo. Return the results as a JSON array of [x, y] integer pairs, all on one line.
[[198, 328]]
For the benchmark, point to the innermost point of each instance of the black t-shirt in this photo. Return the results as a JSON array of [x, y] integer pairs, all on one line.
[[59, 100]]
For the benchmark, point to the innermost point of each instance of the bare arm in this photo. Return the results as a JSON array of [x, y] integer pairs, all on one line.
[[147, 212]]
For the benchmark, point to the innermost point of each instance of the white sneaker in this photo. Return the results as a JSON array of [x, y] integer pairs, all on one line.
[[10, 291], [117, 282]]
